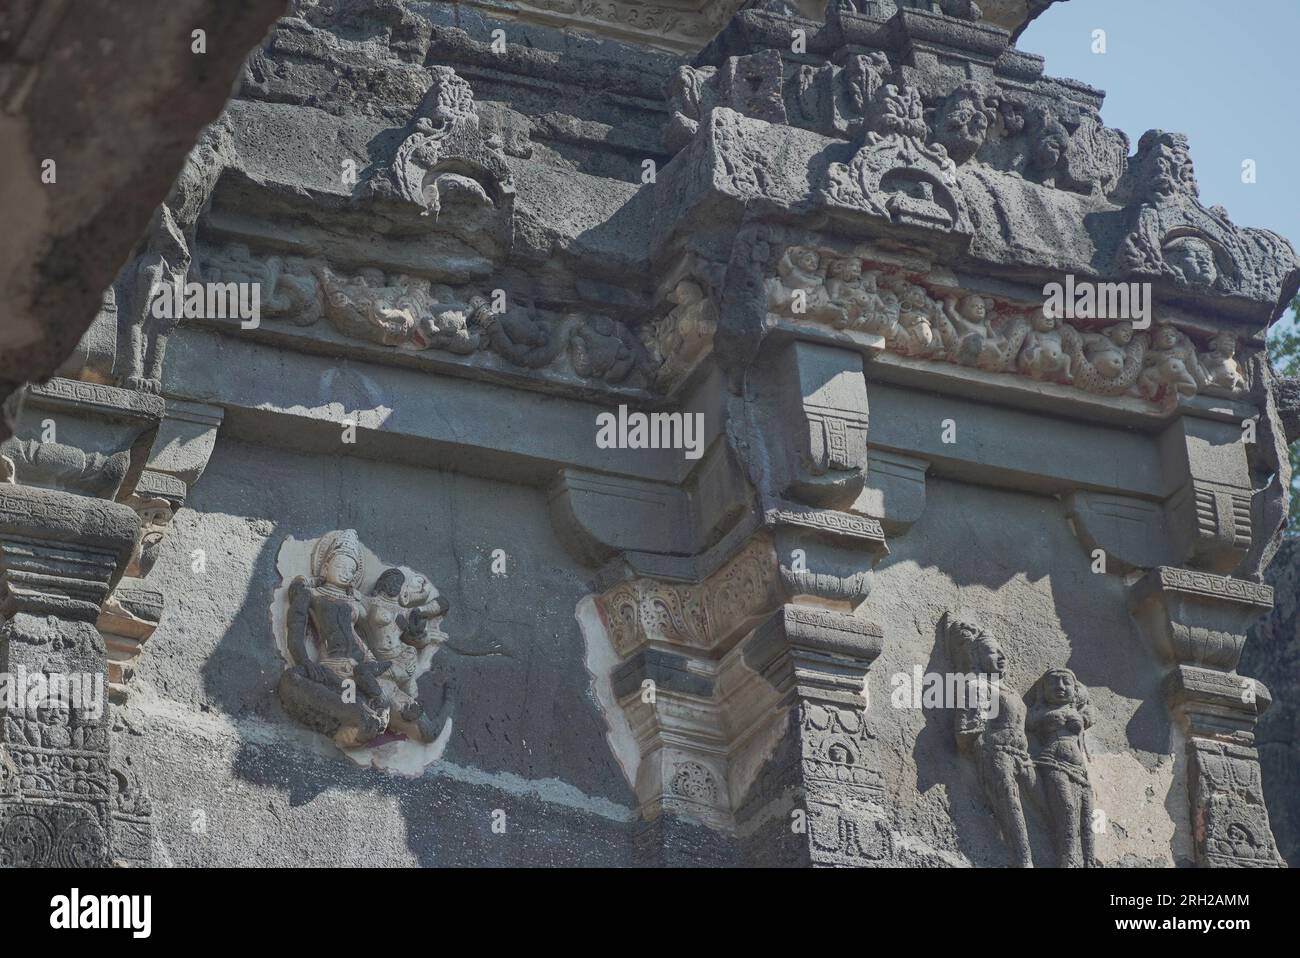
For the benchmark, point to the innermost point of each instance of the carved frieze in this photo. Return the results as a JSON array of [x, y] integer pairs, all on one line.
[[409, 313], [912, 316]]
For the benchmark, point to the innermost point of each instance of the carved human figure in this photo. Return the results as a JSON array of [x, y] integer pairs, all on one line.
[[799, 289], [1105, 350], [991, 729], [681, 337], [398, 612], [1193, 259], [1108, 362], [847, 291], [164, 260], [971, 339], [1044, 354], [333, 685], [1059, 717], [1171, 368], [1220, 363], [918, 315], [882, 314]]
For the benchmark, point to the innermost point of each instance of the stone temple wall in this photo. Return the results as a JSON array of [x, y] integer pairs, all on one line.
[[565, 434]]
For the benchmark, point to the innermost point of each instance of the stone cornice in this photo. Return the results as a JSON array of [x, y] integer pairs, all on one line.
[[682, 26]]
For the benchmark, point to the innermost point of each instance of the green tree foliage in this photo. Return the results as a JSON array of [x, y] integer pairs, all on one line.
[[1284, 351]]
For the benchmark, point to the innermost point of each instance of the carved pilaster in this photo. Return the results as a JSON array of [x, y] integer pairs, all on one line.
[[1198, 621], [818, 800], [60, 555]]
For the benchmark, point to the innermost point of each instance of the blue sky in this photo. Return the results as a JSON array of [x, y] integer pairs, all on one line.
[[1224, 73]]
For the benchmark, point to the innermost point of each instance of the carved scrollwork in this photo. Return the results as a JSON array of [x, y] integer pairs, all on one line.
[[696, 616], [446, 155]]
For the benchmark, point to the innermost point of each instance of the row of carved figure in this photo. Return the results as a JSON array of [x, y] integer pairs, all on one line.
[[1056, 714], [975, 330], [414, 313]]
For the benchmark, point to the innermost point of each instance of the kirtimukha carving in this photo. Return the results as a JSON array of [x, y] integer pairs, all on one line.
[[993, 732], [1059, 718], [357, 636]]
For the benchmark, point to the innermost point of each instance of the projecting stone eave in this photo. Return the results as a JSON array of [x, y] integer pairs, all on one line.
[[1057, 231]]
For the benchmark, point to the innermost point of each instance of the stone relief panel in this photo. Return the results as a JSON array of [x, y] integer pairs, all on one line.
[[1035, 747], [356, 634]]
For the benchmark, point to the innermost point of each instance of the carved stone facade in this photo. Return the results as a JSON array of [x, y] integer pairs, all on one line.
[[856, 456]]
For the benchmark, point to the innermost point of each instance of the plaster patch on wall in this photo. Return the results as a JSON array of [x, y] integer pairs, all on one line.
[[1133, 798], [222, 735], [601, 660]]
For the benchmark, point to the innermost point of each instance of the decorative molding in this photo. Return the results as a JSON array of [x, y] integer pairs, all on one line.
[[679, 25], [699, 617]]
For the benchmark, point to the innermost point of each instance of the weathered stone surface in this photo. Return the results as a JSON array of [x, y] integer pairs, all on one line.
[[608, 435], [114, 99], [1273, 654]]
